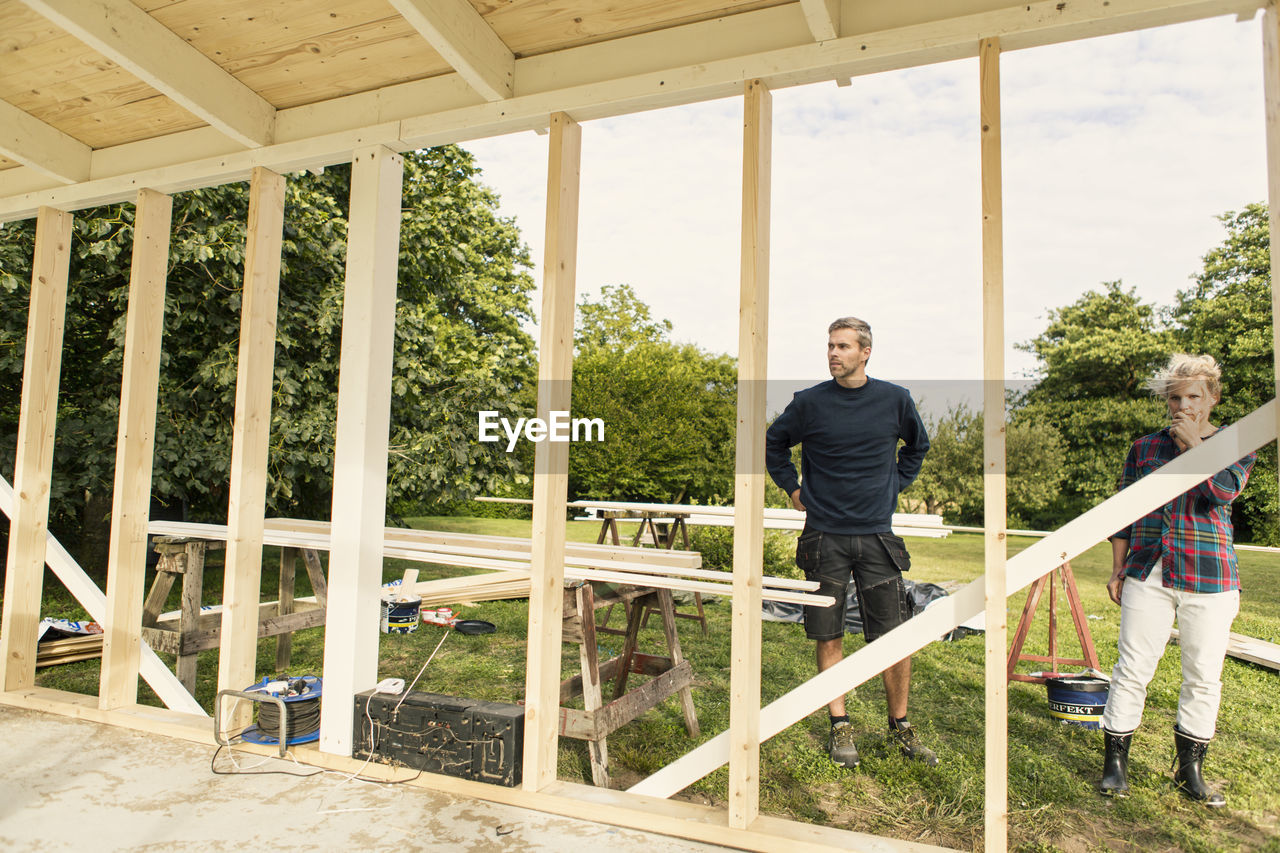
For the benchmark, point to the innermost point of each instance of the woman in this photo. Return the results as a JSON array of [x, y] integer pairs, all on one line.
[[1175, 561]]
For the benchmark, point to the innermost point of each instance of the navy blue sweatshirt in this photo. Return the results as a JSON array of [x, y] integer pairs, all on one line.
[[851, 465]]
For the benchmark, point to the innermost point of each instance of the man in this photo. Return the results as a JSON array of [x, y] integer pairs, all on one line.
[[852, 472], [1177, 561]]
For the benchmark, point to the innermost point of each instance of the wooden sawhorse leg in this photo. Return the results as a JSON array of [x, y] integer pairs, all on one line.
[[288, 582], [592, 699], [189, 621], [677, 657], [284, 642]]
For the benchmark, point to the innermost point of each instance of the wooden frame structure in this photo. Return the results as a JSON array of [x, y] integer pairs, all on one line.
[[121, 101]]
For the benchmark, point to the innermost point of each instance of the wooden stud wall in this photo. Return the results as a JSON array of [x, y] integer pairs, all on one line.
[[135, 449], [1271, 90], [33, 465], [360, 452], [749, 479], [362, 447], [250, 436], [551, 459], [993, 452]]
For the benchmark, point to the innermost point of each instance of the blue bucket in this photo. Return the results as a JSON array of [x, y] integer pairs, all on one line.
[[1078, 700], [400, 617]]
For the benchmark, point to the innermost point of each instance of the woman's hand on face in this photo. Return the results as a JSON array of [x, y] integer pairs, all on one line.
[[1185, 431]]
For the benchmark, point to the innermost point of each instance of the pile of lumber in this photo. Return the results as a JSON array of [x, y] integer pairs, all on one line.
[[54, 652], [677, 570], [488, 587]]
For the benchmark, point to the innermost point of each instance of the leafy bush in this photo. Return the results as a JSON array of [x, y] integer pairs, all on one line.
[[715, 544]]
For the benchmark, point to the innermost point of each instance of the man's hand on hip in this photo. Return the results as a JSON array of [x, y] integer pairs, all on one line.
[[795, 500]]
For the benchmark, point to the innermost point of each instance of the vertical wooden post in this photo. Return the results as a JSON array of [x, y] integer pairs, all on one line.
[[135, 449], [360, 453], [551, 459], [33, 464], [993, 453], [1271, 90], [250, 435], [749, 478]]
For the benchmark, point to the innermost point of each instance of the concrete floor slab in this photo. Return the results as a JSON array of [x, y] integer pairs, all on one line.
[[73, 785]]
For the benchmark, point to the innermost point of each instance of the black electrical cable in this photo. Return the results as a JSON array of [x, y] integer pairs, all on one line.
[[301, 718]]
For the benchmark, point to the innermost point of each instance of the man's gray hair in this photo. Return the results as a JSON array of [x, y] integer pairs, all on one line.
[[860, 326]]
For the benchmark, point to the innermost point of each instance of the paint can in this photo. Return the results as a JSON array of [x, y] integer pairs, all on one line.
[[400, 615], [1078, 700]]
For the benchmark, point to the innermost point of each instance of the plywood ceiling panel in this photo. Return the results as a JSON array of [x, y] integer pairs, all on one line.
[[59, 80], [294, 52], [116, 125], [29, 44], [531, 27]]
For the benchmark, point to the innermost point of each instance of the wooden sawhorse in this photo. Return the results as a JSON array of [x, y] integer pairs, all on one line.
[[1078, 617], [670, 675], [609, 527], [192, 631]]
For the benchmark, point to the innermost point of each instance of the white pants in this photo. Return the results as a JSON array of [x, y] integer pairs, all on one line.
[[1146, 616]]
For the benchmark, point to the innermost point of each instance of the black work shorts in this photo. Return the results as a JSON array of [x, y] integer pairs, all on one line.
[[874, 562]]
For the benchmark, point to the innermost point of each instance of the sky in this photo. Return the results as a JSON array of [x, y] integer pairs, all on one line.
[[1119, 155]]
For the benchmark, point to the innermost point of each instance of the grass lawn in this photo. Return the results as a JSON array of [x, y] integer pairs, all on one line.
[[1052, 768]]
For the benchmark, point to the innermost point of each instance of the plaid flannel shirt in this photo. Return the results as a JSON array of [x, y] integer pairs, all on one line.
[[1193, 531]]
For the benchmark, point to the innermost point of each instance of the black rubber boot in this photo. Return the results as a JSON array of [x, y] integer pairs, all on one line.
[[1188, 765], [1115, 766]]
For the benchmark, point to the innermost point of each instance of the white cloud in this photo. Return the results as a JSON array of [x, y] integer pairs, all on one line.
[[1118, 154]]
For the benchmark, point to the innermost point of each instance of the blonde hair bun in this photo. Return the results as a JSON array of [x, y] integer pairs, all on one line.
[[1183, 367]]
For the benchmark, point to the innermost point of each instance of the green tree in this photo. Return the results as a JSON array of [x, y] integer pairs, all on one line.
[[618, 320], [950, 481], [1227, 314], [669, 409], [463, 295], [1093, 358]]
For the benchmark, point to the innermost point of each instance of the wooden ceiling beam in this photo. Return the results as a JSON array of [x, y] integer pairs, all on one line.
[[466, 41], [131, 38], [626, 75], [31, 142], [823, 18]]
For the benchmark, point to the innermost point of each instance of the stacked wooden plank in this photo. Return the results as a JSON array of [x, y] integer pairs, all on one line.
[[606, 563], [487, 587], [54, 652]]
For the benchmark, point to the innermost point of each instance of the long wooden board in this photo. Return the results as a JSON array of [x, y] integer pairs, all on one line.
[[716, 583], [33, 462], [1251, 649], [135, 450], [360, 445]]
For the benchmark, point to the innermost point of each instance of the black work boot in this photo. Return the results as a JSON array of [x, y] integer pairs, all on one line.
[[842, 749], [1188, 764], [1115, 766], [903, 734]]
